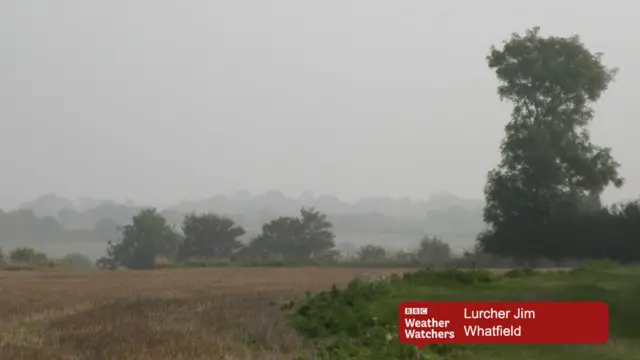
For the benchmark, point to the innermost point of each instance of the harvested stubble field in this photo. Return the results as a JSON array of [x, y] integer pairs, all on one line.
[[215, 313]]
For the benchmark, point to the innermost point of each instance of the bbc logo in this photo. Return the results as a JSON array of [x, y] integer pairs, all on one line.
[[415, 311]]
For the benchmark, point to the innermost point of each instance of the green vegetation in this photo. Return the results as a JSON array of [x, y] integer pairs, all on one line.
[[360, 321], [25, 258], [77, 261], [542, 201], [543, 198], [27, 255], [307, 237], [209, 240], [212, 238]]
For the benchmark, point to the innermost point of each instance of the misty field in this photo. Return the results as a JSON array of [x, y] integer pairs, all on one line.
[[219, 313]]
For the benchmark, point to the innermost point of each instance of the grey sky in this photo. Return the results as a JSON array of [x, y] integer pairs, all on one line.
[[158, 101]]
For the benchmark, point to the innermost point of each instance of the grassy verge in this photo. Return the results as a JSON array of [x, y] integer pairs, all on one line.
[[360, 321]]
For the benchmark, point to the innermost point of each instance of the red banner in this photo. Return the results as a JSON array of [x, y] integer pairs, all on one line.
[[423, 323]]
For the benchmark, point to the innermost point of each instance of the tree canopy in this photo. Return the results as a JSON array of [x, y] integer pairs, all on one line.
[[210, 236], [309, 236], [549, 165], [143, 241]]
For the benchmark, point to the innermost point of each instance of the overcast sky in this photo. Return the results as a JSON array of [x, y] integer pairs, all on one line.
[[159, 101]]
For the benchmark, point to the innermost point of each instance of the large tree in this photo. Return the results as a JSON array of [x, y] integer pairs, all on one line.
[[549, 165], [309, 236], [143, 241], [371, 253], [210, 236], [433, 251]]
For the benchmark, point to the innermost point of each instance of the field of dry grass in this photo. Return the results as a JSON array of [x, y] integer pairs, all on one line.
[[215, 313]]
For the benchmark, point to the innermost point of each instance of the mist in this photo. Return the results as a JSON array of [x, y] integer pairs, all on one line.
[[160, 102]]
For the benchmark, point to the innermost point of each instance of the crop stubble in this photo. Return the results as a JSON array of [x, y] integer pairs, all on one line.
[[215, 313]]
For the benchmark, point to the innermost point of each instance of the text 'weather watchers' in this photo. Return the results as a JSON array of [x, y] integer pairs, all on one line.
[[422, 323]]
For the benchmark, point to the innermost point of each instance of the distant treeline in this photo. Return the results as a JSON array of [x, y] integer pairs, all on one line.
[[99, 224], [208, 237], [603, 233], [23, 226], [266, 205]]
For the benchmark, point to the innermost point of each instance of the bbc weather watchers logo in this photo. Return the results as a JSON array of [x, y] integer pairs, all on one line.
[[415, 311]]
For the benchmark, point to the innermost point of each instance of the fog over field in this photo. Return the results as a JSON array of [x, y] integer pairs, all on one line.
[[360, 108], [57, 225], [254, 179], [162, 101]]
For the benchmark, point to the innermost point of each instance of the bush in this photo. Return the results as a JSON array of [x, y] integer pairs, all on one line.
[[78, 261], [607, 233], [27, 255], [520, 273], [18, 267], [360, 321], [340, 310], [434, 251], [595, 265], [371, 253], [449, 276]]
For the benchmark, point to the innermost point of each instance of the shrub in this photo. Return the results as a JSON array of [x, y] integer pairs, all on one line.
[[434, 251], [360, 320], [340, 310], [520, 273], [78, 261], [595, 265], [371, 253], [27, 255], [449, 276]]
